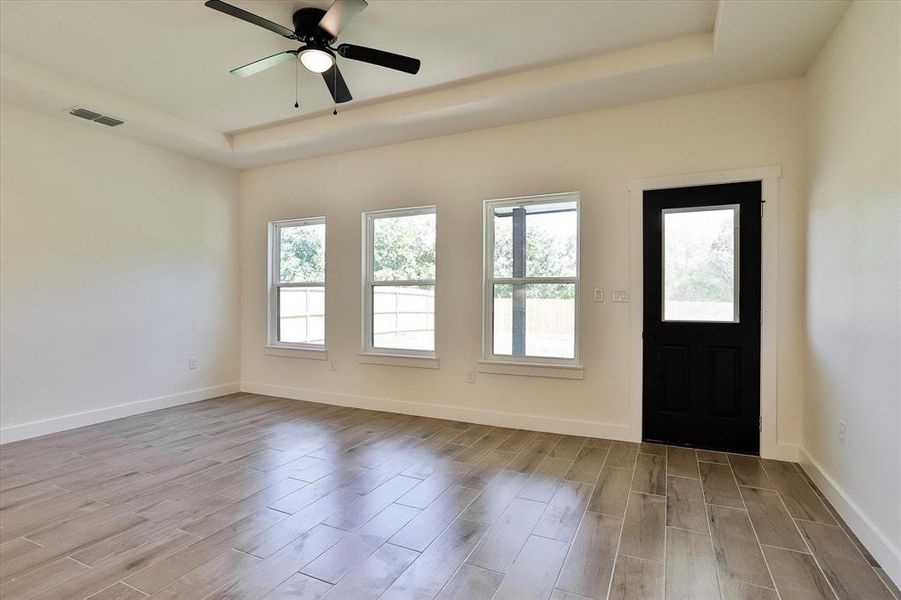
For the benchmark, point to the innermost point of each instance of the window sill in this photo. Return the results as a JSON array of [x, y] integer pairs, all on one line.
[[398, 360], [530, 369], [307, 353]]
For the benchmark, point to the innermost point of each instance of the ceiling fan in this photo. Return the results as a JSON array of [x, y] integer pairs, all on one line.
[[318, 30]]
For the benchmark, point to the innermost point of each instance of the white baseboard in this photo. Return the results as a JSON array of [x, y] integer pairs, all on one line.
[[880, 546], [22, 431], [443, 411]]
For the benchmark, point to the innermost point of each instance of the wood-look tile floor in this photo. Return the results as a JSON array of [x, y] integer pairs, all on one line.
[[253, 497]]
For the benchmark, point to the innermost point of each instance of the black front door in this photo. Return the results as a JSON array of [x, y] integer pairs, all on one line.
[[701, 377]]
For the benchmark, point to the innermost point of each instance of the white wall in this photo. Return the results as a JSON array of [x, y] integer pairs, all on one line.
[[119, 261], [854, 277], [595, 153]]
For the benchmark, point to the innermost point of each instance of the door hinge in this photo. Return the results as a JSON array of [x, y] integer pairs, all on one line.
[[760, 424]]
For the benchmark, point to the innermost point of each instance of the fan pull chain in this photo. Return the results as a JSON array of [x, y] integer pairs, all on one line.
[[335, 82], [297, 83]]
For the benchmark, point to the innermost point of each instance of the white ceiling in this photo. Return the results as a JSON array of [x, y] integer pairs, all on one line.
[[163, 65]]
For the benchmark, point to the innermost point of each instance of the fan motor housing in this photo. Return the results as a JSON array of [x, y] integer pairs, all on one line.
[[306, 26]]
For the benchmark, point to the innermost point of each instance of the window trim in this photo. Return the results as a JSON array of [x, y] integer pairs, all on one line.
[[366, 346], [274, 241], [489, 281]]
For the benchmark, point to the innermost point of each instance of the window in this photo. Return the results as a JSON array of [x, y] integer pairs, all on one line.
[[532, 279], [700, 264], [297, 290], [399, 287]]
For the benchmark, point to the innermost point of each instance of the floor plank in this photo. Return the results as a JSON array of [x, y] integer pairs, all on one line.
[[340, 559], [611, 492], [587, 465], [564, 512], [799, 497], [842, 562], [719, 485], [429, 524], [636, 579], [499, 548], [690, 566], [737, 552], [374, 575], [650, 475], [471, 583], [429, 573], [535, 570], [773, 524], [797, 575], [682, 462], [685, 507], [644, 527], [589, 565], [544, 482]]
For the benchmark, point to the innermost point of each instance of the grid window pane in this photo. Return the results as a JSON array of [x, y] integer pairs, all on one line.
[[301, 315], [302, 253], [535, 319], [536, 240], [551, 241], [503, 243], [403, 248], [403, 317], [699, 252]]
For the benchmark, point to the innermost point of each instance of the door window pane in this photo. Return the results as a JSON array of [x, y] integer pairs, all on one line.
[[301, 315], [700, 264], [302, 253], [403, 248], [535, 319], [403, 317]]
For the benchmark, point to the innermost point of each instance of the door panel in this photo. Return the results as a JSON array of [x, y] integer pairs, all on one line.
[[725, 391], [674, 378], [701, 366]]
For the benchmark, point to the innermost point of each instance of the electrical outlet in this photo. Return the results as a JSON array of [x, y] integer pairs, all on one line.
[[470, 377], [333, 365], [598, 294], [842, 435], [192, 362], [621, 295]]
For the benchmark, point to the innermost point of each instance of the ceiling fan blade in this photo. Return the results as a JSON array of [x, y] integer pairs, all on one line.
[[336, 86], [340, 13], [380, 58], [264, 63], [242, 14]]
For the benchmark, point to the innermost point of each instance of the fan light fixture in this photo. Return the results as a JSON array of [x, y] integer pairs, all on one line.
[[316, 60]]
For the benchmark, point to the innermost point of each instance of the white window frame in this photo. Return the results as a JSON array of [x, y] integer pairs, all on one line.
[[736, 222], [489, 281], [275, 228], [368, 282]]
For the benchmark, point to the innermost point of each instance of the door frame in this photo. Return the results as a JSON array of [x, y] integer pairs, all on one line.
[[769, 272]]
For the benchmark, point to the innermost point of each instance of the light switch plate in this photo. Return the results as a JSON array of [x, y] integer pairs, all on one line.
[[598, 294], [621, 295]]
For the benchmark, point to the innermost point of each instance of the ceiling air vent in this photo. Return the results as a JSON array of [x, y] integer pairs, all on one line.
[[90, 115], [110, 121], [84, 113]]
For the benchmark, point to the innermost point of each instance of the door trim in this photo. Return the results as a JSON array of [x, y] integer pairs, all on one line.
[[769, 176]]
